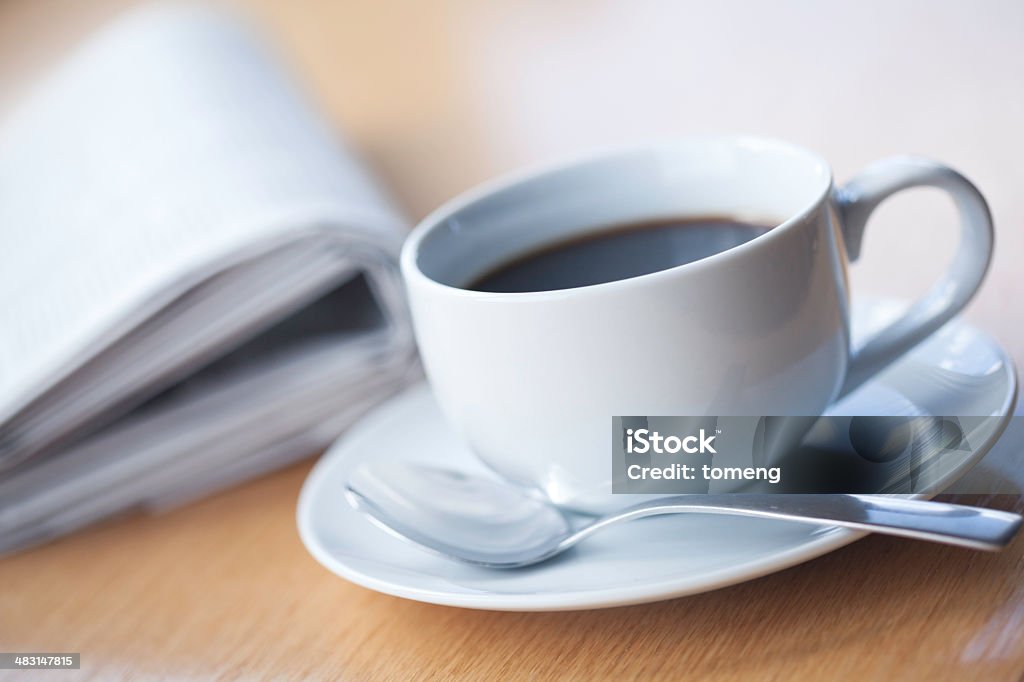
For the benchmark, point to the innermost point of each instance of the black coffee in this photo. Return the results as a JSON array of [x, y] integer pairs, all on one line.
[[618, 252]]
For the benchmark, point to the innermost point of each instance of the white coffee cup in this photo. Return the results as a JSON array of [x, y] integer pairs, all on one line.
[[531, 380]]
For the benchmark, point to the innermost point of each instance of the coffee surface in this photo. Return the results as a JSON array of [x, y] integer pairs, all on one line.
[[617, 252]]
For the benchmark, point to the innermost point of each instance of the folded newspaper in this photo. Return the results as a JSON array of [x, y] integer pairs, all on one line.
[[199, 281]]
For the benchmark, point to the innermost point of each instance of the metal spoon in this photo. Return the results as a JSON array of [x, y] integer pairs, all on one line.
[[490, 523]]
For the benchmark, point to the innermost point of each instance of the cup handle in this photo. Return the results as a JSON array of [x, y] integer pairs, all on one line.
[[855, 202]]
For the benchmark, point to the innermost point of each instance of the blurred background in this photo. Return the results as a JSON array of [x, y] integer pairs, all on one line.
[[441, 95]]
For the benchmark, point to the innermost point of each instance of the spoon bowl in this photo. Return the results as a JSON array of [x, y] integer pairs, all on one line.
[[472, 518]]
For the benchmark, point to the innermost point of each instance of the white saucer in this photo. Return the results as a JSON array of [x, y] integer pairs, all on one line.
[[959, 371]]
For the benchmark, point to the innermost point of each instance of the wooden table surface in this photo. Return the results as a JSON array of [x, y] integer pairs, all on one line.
[[439, 95]]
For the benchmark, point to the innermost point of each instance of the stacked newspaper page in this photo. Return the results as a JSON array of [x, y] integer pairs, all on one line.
[[198, 282]]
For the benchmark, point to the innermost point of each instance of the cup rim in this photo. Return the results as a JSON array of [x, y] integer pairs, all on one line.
[[409, 258]]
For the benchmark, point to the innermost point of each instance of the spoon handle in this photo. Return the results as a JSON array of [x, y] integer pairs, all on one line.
[[951, 524]]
